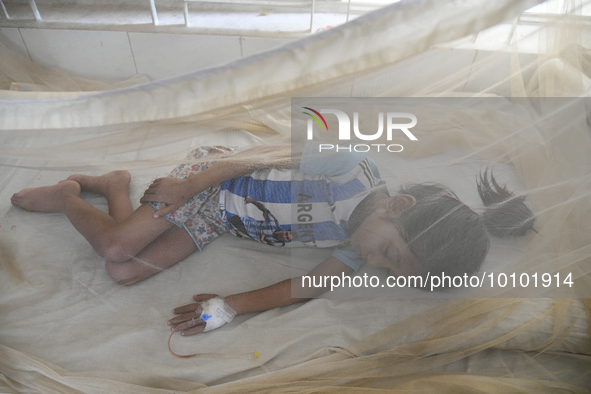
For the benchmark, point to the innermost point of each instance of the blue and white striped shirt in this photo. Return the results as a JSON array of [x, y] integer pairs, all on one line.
[[314, 203]]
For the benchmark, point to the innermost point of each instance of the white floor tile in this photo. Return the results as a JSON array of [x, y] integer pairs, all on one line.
[[84, 53], [418, 76], [166, 55], [11, 37]]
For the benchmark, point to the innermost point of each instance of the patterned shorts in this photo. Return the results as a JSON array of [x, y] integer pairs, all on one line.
[[201, 215]]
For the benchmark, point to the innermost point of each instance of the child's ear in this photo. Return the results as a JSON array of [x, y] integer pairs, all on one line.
[[397, 204]]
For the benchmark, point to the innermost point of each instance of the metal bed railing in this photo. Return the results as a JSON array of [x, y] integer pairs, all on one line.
[[305, 6], [301, 6]]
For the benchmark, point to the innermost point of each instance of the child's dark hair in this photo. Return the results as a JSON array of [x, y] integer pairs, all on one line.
[[448, 236]]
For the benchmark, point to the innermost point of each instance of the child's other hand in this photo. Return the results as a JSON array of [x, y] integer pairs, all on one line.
[[189, 322], [173, 192]]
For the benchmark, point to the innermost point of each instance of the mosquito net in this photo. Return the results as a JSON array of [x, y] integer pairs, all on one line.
[[518, 108]]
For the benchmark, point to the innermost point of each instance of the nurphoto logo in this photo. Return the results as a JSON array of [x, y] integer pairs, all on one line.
[[393, 123]]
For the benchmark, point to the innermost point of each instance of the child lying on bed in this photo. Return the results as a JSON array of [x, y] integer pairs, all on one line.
[[333, 200]]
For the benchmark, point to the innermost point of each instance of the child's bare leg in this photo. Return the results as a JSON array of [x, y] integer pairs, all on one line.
[[114, 186], [113, 241], [168, 249], [46, 198]]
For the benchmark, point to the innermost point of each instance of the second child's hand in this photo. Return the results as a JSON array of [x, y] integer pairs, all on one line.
[[173, 192]]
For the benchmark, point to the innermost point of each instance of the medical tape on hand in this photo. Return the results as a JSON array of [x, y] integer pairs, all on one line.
[[216, 313]]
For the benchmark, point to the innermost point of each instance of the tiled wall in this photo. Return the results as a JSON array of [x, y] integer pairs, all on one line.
[[113, 55]]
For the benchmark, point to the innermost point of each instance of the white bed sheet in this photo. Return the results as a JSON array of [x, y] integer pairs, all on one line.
[[63, 318]]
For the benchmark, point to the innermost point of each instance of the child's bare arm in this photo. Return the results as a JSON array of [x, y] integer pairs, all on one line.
[[174, 192], [274, 296]]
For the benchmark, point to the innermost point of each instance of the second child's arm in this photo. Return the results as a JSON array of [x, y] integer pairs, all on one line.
[[174, 192], [274, 296]]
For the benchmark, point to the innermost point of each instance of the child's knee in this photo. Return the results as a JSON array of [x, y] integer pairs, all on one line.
[[124, 273], [115, 250]]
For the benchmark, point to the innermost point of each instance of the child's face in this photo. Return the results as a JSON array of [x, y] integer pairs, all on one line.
[[284, 236], [379, 243]]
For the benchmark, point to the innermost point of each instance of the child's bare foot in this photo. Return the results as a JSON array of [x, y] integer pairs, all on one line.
[[113, 182], [46, 198]]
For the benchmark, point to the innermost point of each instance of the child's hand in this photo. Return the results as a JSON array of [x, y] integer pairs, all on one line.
[[173, 192], [189, 322]]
